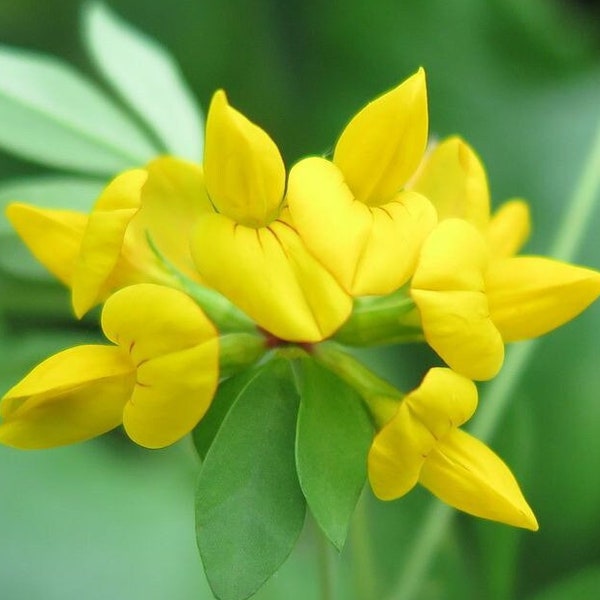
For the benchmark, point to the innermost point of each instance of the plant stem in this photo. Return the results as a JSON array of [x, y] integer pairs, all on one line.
[[500, 392], [363, 561], [325, 567]]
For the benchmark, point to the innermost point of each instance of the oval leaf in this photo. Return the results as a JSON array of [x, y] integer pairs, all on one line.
[[145, 75], [249, 505], [53, 115], [333, 439]]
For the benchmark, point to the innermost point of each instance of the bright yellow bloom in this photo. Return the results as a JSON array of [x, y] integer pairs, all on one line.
[[99, 253], [422, 444], [158, 379], [353, 213], [472, 293], [247, 248]]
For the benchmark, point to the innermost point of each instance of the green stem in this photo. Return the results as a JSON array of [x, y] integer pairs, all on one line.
[[380, 397], [326, 579], [363, 560], [500, 391]]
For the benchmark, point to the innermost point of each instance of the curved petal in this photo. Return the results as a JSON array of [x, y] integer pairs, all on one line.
[[383, 144], [509, 229], [464, 473], [150, 320], [271, 276], [444, 400], [52, 236], [243, 169], [449, 290], [172, 199], [530, 296], [172, 393], [369, 250], [72, 396], [103, 240], [453, 179], [176, 352]]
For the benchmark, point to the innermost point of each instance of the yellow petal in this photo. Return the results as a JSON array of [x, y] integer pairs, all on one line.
[[172, 393], [509, 229], [72, 396], [172, 199], [443, 400], [52, 236], [104, 236], [383, 144], [464, 473], [271, 276], [175, 349], [368, 249], [453, 179], [530, 296], [449, 290], [244, 172], [150, 320]]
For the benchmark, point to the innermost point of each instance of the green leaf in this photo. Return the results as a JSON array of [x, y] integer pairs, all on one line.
[[145, 75], [205, 432], [249, 505], [51, 114], [72, 193], [333, 438]]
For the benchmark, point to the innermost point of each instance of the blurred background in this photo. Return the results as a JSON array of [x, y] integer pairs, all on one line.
[[518, 79]]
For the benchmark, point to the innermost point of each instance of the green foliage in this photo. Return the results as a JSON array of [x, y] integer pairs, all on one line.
[[53, 115], [333, 438], [249, 505], [142, 72]]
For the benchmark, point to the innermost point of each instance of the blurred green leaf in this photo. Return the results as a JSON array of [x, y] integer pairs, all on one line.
[[72, 193], [51, 114], [145, 75], [249, 505], [334, 434], [585, 584]]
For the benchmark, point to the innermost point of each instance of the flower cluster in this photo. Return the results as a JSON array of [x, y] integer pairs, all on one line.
[[205, 270]]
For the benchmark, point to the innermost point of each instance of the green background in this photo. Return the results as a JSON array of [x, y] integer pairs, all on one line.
[[520, 80]]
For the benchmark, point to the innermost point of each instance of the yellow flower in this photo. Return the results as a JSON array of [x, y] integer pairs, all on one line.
[[421, 443], [353, 213], [94, 254], [158, 379], [472, 293], [247, 248]]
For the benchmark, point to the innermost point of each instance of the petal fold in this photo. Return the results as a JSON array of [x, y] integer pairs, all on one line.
[[530, 295], [382, 145], [53, 236], [368, 249], [271, 276], [443, 401], [464, 473], [102, 247], [449, 290], [72, 396], [175, 349], [172, 199], [243, 169], [453, 178]]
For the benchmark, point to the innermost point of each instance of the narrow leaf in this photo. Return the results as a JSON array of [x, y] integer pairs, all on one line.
[[332, 442], [51, 114], [249, 505], [145, 75]]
